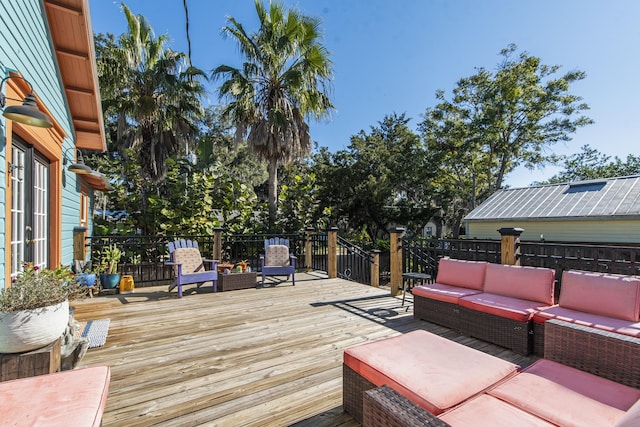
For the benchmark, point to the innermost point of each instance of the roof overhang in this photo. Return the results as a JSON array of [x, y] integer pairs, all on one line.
[[72, 35]]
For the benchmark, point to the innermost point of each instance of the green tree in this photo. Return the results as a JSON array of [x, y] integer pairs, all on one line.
[[282, 82], [591, 164], [382, 179], [496, 121], [152, 92]]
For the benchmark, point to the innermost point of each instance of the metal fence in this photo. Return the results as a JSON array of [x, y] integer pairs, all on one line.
[[354, 263]]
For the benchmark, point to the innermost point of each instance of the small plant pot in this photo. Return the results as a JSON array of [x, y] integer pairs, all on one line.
[[109, 281], [86, 279]]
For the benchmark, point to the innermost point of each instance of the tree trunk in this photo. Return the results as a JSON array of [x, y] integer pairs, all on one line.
[[273, 192]]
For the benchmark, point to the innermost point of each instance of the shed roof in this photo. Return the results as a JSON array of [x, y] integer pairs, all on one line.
[[602, 198]]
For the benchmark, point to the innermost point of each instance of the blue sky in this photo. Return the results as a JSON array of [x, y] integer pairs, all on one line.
[[392, 56]]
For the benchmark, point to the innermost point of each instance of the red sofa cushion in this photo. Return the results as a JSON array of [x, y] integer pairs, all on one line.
[[488, 411], [604, 323], [527, 283], [68, 398], [567, 396], [432, 371], [445, 293], [610, 295], [498, 305], [464, 274]]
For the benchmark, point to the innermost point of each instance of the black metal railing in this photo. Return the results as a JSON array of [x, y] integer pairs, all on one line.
[[319, 251], [354, 263], [249, 247]]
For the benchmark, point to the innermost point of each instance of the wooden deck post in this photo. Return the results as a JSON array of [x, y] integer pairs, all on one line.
[[308, 249], [375, 268], [332, 254], [79, 250], [510, 245], [217, 244], [395, 251]]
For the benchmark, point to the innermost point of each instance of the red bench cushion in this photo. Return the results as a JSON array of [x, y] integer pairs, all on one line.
[[445, 293], [604, 323], [432, 371], [486, 410], [464, 274], [567, 396], [609, 295], [527, 283], [68, 398], [510, 308]]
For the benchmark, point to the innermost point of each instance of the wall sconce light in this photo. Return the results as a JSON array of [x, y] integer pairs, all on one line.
[[80, 168], [27, 113]]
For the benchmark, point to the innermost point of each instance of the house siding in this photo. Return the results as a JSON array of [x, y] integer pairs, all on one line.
[[26, 48], [585, 230]]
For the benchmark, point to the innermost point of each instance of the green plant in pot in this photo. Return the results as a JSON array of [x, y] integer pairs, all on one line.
[[109, 259], [34, 310]]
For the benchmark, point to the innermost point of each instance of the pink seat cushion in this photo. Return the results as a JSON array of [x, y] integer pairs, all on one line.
[[486, 410], [464, 274], [68, 398], [604, 323], [566, 396], [445, 293], [631, 418], [527, 283], [510, 308], [432, 371], [608, 295]]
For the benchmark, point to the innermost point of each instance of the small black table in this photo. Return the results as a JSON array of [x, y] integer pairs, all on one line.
[[408, 280]]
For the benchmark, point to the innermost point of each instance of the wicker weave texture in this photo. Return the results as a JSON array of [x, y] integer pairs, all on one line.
[[234, 281], [440, 312], [353, 388], [538, 339], [606, 354], [384, 407], [514, 335]]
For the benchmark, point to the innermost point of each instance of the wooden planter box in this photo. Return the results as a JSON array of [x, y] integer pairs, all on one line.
[[233, 281]]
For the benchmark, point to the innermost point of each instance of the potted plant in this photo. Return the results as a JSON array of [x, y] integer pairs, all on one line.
[[34, 310], [109, 259]]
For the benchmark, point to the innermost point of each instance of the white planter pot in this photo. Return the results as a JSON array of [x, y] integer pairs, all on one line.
[[27, 330]]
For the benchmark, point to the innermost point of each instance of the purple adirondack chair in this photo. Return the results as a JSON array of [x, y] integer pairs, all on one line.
[[277, 261], [188, 265]]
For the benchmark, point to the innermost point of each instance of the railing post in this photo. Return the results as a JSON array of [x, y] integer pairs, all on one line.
[[375, 268], [79, 249], [217, 244], [308, 249], [395, 251], [332, 255], [510, 245]]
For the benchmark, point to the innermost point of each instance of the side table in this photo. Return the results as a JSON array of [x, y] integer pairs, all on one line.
[[233, 281], [408, 280]]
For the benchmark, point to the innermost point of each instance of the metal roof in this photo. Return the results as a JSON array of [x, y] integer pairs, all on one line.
[[609, 197]]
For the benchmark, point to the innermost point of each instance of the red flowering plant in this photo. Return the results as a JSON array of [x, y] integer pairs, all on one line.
[[35, 288]]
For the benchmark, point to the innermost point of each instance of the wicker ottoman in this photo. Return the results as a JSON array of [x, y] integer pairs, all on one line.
[[431, 371], [234, 281]]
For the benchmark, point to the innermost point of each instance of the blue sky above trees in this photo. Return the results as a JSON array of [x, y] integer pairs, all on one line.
[[392, 56]]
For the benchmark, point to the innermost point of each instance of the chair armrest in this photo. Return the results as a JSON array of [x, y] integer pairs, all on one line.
[[172, 263], [606, 354], [384, 407]]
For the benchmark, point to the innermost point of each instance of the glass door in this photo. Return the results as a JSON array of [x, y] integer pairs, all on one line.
[[29, 207]]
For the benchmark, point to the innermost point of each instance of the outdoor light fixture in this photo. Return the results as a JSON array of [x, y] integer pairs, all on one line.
[[80, 168], [27, 113]]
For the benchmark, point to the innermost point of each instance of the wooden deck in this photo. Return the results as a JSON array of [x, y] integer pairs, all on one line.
[[252, 357]]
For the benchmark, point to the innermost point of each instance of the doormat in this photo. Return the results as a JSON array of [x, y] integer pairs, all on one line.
[[96, 331]]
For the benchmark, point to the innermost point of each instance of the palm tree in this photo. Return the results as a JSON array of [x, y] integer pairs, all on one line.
[[283, 81], [157, 98]]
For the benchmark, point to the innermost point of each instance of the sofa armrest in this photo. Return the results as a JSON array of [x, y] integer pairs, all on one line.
[[384, 407], [606, 354]]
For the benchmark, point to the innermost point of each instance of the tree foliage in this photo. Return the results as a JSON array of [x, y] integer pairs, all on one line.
[[282, 82], [496, 121], [591, 164]]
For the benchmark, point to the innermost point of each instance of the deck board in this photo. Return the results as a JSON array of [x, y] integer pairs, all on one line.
[[250, 357]]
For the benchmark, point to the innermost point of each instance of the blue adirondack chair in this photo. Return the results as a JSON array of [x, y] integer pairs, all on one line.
[[277, 261], [188, 265]]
